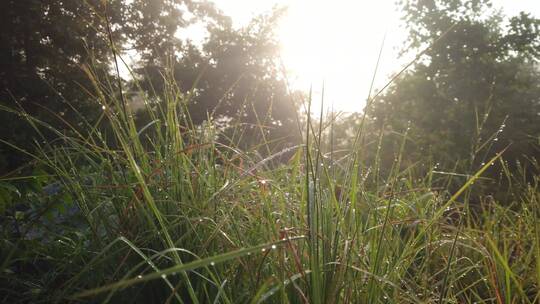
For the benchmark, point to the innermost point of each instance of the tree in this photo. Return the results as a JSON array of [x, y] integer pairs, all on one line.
[[44, 43], [474, 92], [235, 74]]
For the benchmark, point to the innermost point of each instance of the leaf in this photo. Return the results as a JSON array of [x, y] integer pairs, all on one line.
[[211, 261]]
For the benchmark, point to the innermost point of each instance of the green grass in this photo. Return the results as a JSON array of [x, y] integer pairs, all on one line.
[[169, 212]]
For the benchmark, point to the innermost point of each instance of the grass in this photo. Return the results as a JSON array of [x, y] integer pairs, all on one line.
[[170, 212]]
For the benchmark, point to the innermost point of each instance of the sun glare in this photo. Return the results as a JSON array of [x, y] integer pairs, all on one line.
[[338, 43]]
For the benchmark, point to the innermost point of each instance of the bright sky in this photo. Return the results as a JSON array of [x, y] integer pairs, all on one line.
[[338, 41]]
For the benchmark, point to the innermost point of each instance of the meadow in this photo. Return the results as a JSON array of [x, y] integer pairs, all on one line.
[[172, 212], [224, 186]]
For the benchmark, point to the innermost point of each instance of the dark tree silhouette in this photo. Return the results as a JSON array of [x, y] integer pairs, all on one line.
[[45, 43]]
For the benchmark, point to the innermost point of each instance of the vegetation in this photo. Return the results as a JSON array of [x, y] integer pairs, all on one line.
[[164, 206], [471, 95], [42, 63]]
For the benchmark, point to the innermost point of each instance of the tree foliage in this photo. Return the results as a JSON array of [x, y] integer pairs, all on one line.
[[474, 92], [235, 74], [42, 47], [44, 44]]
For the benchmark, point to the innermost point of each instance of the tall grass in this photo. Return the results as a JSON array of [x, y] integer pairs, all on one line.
[[174, 212]]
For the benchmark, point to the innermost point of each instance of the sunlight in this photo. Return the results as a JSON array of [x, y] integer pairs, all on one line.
[[151, 152], [337, 43]]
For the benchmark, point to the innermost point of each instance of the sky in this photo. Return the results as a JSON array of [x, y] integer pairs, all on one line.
[[337, 42]]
